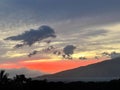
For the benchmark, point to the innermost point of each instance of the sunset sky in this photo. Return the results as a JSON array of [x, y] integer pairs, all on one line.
[[92, 26]]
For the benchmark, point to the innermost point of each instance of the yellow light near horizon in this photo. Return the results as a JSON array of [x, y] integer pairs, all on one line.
[[114, 27], [13, 55], [84, 54], [17, 55], [42, 60]]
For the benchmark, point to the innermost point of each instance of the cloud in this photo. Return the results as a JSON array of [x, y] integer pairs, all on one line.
[[68, 50], [32, 36], [32, 53], [60, 8], [95, 32], [67, 17], [25, 71], [114, 55], [29, 11]]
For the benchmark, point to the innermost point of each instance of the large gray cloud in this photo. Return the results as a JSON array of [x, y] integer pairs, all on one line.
[[32, 36]]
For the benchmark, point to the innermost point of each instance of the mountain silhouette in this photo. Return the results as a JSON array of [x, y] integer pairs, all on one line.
[[105, 70]]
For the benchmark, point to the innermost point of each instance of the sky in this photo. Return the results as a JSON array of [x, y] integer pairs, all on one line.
[[91, 26]]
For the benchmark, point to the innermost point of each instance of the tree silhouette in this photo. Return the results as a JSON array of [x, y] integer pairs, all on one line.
[[20, 79], [3, 76]]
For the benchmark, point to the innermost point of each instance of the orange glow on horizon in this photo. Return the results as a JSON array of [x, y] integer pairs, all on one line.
[[49, 66], [57, 66], [9, 66]]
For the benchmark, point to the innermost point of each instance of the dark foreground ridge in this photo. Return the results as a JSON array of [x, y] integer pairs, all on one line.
[[29, 84], [20, 82]]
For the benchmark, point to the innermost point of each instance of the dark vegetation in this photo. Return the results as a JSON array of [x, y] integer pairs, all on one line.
[[20, 82]]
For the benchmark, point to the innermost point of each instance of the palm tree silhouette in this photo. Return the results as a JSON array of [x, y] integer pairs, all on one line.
[[3, 76]]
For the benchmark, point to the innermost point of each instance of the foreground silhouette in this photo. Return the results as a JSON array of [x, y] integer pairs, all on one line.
[[20, 82]]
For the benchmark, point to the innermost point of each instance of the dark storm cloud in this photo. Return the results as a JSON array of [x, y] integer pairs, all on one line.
[[32, 36]]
